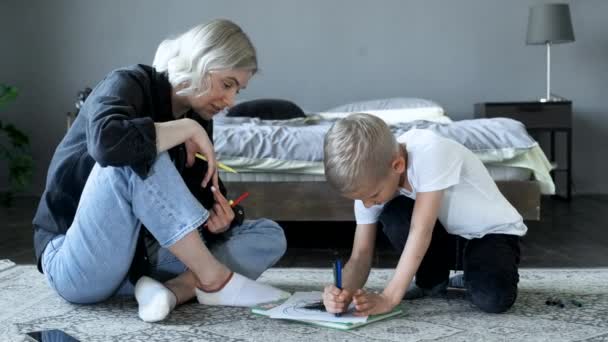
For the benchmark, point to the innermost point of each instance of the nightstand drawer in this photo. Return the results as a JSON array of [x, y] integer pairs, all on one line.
[[540, 118], [531, 114]]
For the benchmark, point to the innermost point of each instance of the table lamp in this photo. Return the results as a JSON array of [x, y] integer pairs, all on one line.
[[549, 24]]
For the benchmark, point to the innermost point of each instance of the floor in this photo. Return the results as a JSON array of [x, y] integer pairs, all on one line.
[[570, 234], [27, 303]]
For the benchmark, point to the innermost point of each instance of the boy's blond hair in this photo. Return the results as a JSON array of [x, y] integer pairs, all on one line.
[[358, 151]]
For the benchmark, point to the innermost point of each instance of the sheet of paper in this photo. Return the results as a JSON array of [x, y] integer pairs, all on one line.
[[293, 308]]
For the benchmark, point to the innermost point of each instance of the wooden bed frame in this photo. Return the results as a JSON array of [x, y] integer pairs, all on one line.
[[316, 201]]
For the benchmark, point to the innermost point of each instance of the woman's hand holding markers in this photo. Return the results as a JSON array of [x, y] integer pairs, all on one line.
[[221, 215]]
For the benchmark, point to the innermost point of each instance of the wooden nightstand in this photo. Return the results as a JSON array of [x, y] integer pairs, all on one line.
[[539, 117]]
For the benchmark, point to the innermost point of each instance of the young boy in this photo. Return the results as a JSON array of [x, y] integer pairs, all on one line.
[[437, 204]]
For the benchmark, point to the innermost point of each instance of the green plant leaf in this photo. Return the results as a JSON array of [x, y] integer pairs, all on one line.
[[14, 148], [7, 94], [20, 171], [17, 138]]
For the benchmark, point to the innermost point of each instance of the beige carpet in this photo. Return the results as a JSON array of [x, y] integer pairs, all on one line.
[[27, 303]]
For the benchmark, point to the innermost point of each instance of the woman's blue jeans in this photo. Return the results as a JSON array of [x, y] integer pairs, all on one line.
[[90, 263]]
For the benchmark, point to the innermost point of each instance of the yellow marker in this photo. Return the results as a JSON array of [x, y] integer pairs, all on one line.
[[231, 202], [220, 165]]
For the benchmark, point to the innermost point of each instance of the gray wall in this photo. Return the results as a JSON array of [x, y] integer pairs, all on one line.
[[319, 54]]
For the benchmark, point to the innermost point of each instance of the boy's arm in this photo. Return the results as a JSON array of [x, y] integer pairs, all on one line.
[[424, 216], [355, 272], [357, 268]]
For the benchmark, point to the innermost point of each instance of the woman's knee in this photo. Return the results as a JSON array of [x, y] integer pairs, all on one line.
[[268, 246], [163, 161], [81, 287], [83, 293], [253, 247], [275, 237]]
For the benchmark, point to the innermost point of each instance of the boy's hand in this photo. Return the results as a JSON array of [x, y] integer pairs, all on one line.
[[221, 216], [336, 300], [371, 303]]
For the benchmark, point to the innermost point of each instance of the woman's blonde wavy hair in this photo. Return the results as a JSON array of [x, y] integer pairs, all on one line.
[[217, 45]]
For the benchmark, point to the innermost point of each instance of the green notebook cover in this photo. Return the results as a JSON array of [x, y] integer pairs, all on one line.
[[263, 309]]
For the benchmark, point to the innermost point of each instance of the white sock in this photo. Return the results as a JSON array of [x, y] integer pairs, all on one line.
[[154, 299], [241, 291]]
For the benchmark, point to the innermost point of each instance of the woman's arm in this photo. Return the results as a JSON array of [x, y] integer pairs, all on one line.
[[172, 133], [120, 130]]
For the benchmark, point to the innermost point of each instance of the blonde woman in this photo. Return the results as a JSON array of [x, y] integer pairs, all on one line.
[[119, 214]]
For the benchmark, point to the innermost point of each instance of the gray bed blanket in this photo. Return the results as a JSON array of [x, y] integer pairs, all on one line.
[[302, 139]]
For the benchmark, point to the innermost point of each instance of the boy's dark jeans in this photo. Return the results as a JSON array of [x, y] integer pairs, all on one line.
[[489, 264]]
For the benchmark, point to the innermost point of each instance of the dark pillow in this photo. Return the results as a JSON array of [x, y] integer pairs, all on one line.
[[267, 109]]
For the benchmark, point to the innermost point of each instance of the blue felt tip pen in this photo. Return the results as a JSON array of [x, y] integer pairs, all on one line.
[[338, 278]]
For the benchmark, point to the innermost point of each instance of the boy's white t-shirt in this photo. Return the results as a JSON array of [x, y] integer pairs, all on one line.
[[472, 206]]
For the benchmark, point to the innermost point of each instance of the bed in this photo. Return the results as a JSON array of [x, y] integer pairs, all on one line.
[[279, 162]]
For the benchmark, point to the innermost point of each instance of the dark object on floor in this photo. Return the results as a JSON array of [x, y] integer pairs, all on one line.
[[50, 335], [554, 301], [576, 302], [558, 302]]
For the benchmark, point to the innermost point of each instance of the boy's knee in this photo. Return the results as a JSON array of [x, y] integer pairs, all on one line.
[[493, 299], [496, 303]]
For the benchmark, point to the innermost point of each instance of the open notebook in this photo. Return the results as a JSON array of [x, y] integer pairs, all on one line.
[[294, 309]]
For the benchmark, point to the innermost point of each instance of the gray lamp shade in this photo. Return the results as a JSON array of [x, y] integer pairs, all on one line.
[[549, 23]]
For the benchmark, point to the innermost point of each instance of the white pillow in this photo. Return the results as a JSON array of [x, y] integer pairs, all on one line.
[[392, 103], [396, 116]]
